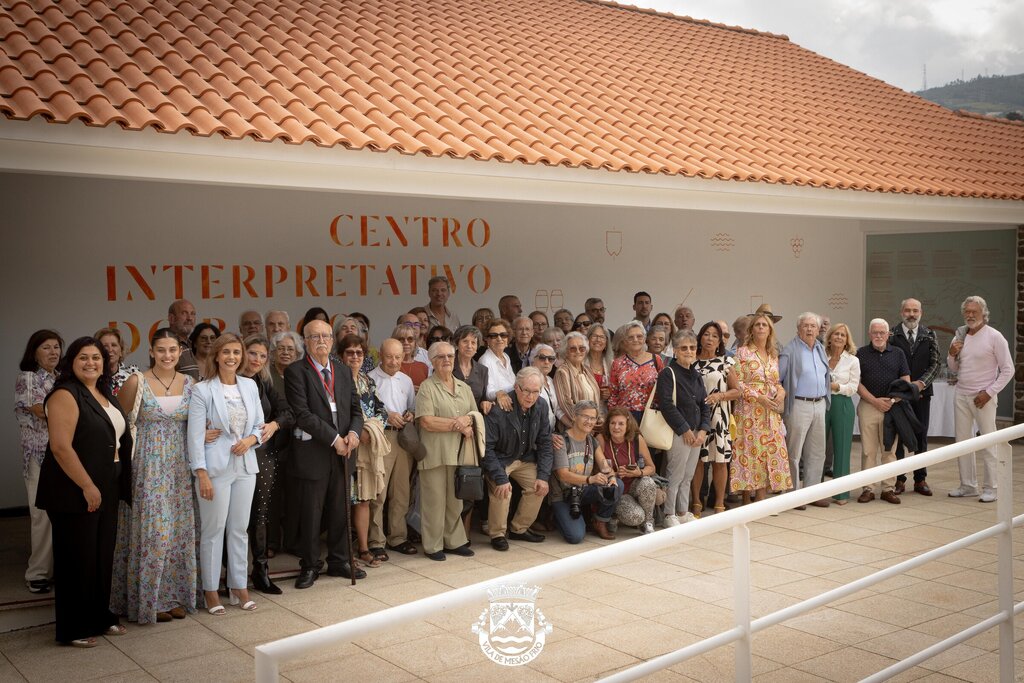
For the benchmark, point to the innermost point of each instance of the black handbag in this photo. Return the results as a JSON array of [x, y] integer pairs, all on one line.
[[469, 479]]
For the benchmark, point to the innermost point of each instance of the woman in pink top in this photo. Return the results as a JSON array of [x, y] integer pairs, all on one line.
[[634, 372]]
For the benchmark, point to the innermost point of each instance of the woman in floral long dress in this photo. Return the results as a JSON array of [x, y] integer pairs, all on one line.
[[155, 559], [760, 458]]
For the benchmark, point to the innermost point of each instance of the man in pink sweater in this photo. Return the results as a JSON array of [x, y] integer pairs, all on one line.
[[981, 357]]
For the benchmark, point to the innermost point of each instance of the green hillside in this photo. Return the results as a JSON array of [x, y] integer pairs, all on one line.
[[982, 95]]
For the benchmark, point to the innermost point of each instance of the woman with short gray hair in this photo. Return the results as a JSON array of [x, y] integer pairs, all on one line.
[[681, 399], [574, 382], [285, 349]]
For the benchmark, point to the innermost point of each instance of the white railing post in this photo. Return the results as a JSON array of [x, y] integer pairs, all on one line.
[[741, 600], [1004, 511]]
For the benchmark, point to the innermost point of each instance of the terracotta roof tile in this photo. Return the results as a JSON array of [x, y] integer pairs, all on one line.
[[581, 83]]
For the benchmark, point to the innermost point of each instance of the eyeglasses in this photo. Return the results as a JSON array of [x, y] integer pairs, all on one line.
[[498, 335], [575, 349], [546, 359], [445, 356], [353, 352], [407, 340], [528, 392], [587, 418], [413, 324], [318, 337]]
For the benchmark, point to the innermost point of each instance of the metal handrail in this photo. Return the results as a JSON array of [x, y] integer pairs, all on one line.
[[269, 655]]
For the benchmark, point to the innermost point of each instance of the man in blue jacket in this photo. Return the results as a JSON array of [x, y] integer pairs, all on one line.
[[519, 448], [803, 368]]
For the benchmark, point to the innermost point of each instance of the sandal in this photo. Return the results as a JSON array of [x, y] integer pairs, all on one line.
[[115, 630], [216, 610], [405, 547], [248, 605], [368, 559], [696, 509], [380, 554], [83, 642], [719, 508]]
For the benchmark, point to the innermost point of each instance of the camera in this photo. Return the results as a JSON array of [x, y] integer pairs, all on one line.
[[573, 498]]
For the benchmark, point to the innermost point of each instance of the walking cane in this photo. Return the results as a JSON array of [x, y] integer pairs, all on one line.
[[348, 516]]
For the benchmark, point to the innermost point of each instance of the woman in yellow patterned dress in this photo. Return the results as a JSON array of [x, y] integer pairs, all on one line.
[[760, 460]]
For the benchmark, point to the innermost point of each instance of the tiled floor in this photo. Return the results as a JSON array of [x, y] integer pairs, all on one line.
[[608, 619]]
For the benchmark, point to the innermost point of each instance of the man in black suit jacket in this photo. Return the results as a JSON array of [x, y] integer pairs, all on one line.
[[922, 351], [328, 420]]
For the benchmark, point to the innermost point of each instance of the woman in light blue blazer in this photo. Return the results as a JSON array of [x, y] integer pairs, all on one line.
[[225, 469]]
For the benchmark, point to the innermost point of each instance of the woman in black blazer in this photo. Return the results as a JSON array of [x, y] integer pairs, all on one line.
[[86, 469]]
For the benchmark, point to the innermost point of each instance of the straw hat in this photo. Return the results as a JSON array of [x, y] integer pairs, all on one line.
[[767, 310]]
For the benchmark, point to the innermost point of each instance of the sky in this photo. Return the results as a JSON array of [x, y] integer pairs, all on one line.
[[889, 39]]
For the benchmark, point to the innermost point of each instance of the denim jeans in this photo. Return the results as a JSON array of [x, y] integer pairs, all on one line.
[[573, 530]]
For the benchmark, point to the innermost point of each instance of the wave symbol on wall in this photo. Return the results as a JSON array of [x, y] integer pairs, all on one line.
[[838, 301], [722, 241]]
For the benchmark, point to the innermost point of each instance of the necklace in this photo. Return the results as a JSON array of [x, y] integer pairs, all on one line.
[[167, 387]]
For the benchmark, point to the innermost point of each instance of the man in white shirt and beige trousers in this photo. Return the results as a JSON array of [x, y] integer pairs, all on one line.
[[981, 358]]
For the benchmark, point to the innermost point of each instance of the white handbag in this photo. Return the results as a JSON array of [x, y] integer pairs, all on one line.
[[655, 430]]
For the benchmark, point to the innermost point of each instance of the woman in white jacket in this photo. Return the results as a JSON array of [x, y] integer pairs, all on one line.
[[225, 468], [845, 369]]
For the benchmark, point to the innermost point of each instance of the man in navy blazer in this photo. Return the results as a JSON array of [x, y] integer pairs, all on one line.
[[328, 421]]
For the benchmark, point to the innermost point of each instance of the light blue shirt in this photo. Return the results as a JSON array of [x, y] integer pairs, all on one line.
[[810, 383]]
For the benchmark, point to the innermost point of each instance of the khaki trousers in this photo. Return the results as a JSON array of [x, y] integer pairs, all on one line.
[[40, 562], [871, 438], [524, 474], [397, 470], [966, 415], [440, 511]]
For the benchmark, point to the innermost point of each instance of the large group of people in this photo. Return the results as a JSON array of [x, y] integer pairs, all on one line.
[[149, 489]]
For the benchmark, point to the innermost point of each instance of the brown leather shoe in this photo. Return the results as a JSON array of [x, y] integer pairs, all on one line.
[[601, 529], [890, 497], [922, 488], [866, 496], [901, 486], [820, 503]]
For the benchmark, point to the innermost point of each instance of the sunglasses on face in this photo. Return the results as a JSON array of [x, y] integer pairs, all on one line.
[[353, 352], [498, 335], [441, 338], [546, 359], [582, 324]]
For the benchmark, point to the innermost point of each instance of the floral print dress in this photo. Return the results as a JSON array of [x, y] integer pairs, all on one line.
[[155, 557], [760, 459]]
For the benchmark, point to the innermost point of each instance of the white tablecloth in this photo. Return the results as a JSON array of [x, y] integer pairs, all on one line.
[[940, 420]]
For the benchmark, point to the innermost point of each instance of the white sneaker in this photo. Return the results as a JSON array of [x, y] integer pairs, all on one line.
[[988, 496], [688, 517], [647, 528], [963, 492], [671, 520]]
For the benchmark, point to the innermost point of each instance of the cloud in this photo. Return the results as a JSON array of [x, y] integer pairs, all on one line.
[[888, 40]]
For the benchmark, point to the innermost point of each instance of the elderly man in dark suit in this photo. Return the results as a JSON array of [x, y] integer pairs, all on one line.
[[328, 422], [922, 351]]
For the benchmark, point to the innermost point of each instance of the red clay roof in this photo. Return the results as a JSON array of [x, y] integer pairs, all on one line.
[[566, 82]]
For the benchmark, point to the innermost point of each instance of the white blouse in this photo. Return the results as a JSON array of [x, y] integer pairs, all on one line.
[[847, 374], [500, 377]]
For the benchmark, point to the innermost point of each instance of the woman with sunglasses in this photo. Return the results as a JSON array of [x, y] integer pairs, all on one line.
[[409, 337], [438, 333], [368, 481], [500, 375], [581, 323]]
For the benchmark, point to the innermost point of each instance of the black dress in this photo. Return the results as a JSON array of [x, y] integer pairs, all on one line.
[[83, 541]]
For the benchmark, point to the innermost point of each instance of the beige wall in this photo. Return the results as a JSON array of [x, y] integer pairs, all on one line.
[[77, 249]]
